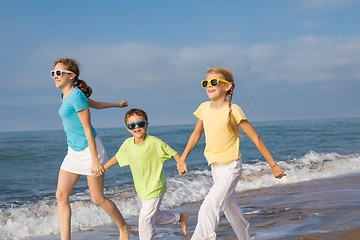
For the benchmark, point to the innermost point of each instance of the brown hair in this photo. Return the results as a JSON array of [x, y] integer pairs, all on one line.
[[73, 65], [228, 76], [135, 111]]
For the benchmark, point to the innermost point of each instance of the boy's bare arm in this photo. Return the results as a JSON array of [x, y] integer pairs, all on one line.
[[181, 164], [110, 163]]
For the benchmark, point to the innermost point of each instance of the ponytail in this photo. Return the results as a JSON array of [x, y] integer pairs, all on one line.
[[82, 85]]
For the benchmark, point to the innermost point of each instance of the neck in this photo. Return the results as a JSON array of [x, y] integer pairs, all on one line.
[[140, 140], [219, 103], [67, 90]]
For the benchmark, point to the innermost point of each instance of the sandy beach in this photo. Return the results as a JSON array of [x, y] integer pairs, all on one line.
[[320, 209]]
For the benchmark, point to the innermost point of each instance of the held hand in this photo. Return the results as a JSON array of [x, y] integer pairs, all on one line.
[[123, 103], [182, 168], [277, 172], [97, 169]]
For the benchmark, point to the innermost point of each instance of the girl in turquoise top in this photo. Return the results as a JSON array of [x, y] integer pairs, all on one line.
[[220, 120], [86, 153]]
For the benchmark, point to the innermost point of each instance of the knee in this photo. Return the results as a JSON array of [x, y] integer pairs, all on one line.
[[98, 200], [61, 196], [146, 219], [211, 206], [210, 202]]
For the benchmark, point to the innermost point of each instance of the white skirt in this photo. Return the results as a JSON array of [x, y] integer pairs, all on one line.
[[80, 162]]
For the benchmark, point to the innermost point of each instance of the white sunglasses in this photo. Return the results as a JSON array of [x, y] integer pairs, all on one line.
[[58, 72]]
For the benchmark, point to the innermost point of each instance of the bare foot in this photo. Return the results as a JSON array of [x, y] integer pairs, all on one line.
[[125, 232], [182, 221]]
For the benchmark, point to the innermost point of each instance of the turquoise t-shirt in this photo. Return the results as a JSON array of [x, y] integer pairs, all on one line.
[[146, 162], [74, 102]]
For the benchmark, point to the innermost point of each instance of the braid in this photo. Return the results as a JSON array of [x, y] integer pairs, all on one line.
[[230, 95], [228, 76], [233, 127]]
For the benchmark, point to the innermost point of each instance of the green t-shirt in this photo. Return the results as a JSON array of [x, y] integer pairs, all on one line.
[[146, 163]]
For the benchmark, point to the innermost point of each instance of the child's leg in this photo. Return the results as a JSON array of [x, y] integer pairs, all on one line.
[[236, 218], [66, 183], [162, 218], [96, 187], [234, 214], [151, 215], [147, 217], [225, 178]]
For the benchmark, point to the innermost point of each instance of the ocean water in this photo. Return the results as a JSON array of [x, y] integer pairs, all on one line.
[[306, 150]]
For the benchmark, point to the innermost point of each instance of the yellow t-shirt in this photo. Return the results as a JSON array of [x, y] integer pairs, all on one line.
[[221, 145]]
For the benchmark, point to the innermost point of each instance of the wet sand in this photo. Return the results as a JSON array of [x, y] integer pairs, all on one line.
[[321, 209]]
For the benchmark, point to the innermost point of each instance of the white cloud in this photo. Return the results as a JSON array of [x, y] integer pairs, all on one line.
[[279, 80], [148, 69], [301, 60], [314, 59]]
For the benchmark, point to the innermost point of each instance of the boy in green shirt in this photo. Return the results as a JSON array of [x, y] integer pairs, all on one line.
[[146, 155]]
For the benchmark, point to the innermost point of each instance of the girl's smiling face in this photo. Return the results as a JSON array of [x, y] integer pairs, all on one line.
[[219, 92], [138, 133], [66, 79]]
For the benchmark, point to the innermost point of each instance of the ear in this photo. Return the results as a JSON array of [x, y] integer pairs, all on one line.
[[228, 86], [72, 76]]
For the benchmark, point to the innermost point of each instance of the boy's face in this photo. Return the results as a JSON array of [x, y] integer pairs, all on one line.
[[137, 132]]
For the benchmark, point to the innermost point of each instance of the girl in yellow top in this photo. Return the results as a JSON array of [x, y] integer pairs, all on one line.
[[220, 120]]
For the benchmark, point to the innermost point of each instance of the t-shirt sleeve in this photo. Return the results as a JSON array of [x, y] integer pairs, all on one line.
[[238, 114], [166, 151], [80, 102], [199, 111], [122, 155]]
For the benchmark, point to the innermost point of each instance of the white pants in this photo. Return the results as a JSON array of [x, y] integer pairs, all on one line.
[[222, 199], [151, 215]]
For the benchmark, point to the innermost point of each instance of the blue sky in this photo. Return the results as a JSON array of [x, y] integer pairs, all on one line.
[[294, 59]]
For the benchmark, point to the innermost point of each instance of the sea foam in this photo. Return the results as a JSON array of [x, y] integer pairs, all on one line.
[[41, 218]]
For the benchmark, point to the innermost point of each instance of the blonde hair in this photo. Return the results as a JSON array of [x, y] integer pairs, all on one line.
[[73, 65], [228, 76]]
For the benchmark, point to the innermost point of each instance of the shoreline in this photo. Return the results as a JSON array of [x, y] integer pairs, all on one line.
[[326, 208]]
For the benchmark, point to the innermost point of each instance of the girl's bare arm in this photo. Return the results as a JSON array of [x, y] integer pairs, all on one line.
[[102, 105], [255, 137], [84, 116], [193, 140]]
